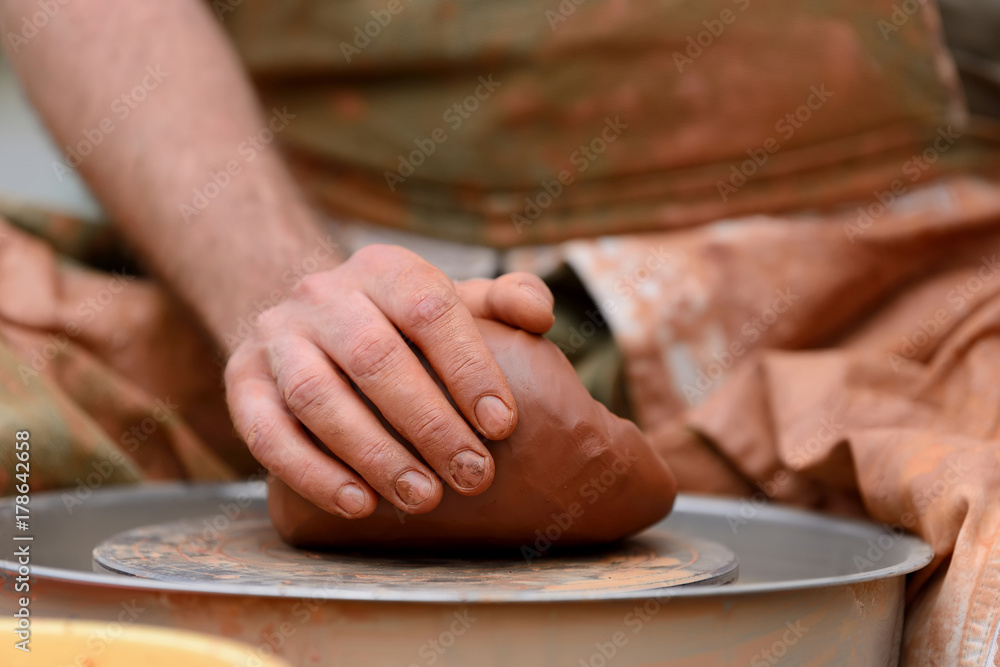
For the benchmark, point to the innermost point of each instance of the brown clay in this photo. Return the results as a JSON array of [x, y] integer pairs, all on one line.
[[572, 473]]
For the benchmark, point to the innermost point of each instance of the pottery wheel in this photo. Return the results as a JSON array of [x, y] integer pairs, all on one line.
[[248, 554]]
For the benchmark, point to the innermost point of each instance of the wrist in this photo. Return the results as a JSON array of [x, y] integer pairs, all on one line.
[[260, 266]]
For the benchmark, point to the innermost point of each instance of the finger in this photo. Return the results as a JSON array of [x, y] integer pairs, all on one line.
[[424, 304], [277, 441], [522, 300], [388, 373], [326, 404]]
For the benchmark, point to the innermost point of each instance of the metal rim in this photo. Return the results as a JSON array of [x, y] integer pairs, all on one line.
[[917, 554]]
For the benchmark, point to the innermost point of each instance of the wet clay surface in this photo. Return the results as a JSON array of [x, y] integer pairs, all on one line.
[[572, 473]]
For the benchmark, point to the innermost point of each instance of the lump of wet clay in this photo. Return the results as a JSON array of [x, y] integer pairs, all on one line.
[[572, 473]]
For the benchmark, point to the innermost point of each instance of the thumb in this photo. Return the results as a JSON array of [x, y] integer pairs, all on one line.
[[522, 300]]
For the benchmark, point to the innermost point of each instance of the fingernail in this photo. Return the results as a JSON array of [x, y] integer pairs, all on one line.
[[494, 416], [467, 469], [413, 487], [350, 499]]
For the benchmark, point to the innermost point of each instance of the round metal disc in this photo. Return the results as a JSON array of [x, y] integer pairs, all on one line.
[[249, 554]]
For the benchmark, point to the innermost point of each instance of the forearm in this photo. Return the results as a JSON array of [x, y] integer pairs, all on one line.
[[225, 244]]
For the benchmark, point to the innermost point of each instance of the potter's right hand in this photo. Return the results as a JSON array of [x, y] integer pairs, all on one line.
[[295, 371], [570, 472]]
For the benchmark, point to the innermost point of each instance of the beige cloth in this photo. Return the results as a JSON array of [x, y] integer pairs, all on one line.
[[110, 377], [809, 360]]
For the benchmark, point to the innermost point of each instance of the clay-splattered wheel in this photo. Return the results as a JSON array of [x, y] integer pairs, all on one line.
[[248, 554]]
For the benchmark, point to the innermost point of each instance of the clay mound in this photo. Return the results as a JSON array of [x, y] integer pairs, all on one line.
[[571, 474]]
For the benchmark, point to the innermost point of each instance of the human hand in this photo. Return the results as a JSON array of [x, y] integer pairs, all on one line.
[[343, 326], [571, 471]]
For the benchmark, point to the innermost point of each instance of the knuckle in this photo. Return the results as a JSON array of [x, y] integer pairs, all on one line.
[[313, 287], [362, 256], [376, 252], [375, 459], [233, 370], [261, 436], [518, 277], [434, 302], [370, 251], [266, 324], [268, 318], [299, 475], [305, 391], [469, 365], [431, 426], [373, 354]]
